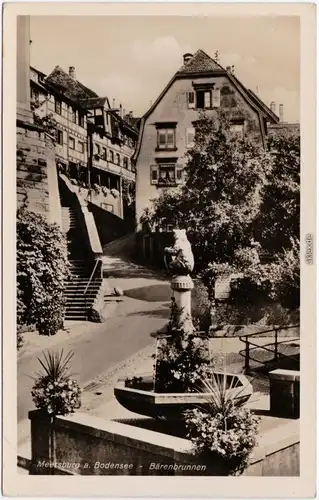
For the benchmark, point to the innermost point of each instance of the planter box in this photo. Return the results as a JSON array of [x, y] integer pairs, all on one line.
[[142, 399]]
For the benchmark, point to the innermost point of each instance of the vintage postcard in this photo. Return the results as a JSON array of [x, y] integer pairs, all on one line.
[[159, 249]]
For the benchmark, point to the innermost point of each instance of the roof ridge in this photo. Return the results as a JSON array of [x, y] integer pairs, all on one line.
[[200, 62]]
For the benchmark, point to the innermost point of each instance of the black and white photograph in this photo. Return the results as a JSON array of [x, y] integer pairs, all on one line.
[[159, 245]]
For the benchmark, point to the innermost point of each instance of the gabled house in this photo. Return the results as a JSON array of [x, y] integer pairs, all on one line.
[[93, 140], [167, 129]]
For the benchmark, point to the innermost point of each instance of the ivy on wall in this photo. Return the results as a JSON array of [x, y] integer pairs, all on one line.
[[42, 268]]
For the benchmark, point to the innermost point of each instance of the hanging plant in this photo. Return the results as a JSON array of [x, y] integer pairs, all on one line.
[[54, 390], [115, 193], [96, 188], [105, 191]]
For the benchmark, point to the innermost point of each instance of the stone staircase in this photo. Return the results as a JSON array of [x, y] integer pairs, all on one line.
[[80, 291], [82, 287]]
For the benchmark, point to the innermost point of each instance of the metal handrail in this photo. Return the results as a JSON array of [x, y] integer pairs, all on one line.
[[91, 277], [267, 331], [248, 343]]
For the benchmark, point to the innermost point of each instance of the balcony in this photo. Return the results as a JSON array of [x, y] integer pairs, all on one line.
[[108, 166]]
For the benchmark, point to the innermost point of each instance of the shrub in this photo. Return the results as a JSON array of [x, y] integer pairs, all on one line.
[[225, 433], [182, 358], [201, 307], [54, 391], [42, 268]]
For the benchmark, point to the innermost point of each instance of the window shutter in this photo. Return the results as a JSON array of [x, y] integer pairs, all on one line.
[[190, 136], [179, 174], [191, 99], [216, 98], [154, 174]]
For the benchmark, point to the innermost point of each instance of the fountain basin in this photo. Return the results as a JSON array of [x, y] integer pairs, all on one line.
[[140, 397]]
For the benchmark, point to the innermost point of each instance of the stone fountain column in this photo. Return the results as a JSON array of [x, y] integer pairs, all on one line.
[[182, 290], [181, 265]]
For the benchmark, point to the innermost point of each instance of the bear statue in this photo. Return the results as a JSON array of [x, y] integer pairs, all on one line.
[[181, 262]]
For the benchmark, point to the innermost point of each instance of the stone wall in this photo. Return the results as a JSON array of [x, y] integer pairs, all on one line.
[[37, 184], [86, 445]]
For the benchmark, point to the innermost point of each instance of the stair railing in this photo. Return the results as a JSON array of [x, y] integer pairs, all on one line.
[[98, 264], [251, 346]]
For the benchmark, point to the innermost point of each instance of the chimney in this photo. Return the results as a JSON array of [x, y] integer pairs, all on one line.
[[228, 68], [281, 112], [113, 103], [121, 111], [72, 72], [273, 106], [187, 57]]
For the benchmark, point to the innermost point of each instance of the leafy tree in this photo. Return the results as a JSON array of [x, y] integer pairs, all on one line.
[[238, 198], [42, 268], [221, 197], [277, 224]]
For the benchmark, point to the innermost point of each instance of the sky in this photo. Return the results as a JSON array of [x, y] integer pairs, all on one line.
[[132, 58]]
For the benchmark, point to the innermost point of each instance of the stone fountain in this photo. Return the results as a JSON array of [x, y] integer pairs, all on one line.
[[150, 396]]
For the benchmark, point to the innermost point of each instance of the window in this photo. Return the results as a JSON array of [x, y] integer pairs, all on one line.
[[191, 99], [237, 129], [81, 120], [81, 146], [208, 99], [111, 156], [166, 138], [117, 159], [125, 162], [58, 106], [190, 136], [97, 149], [166, 174], [71, 143], [59, 137], [103, 156], [73, 115], [203, 99]]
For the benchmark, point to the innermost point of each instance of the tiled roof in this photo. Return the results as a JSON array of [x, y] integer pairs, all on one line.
[[93, 102], [200, 63], [68, 86]]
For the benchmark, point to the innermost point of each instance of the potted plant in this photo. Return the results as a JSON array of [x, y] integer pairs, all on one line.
[[54, 391], [223, 433]]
